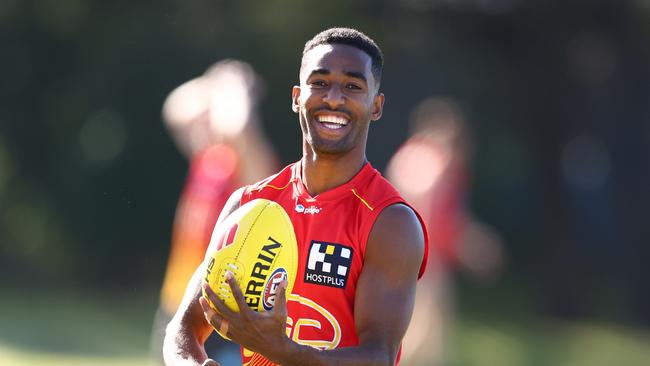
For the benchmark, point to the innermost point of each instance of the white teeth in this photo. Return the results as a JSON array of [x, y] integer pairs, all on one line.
[[332, 119]]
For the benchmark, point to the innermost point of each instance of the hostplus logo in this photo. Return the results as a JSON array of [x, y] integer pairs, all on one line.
[[328, 264], [311, 210]]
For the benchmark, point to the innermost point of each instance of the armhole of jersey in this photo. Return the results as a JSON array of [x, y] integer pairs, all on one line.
[[245, 195], [425, 232], [368, 224]]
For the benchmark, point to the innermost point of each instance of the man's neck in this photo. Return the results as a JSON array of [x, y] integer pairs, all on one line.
[[322, 172]]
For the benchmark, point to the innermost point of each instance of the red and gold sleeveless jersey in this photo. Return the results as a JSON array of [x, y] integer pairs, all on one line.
[[332, 230]]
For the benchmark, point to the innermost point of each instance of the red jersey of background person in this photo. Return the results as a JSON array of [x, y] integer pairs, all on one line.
[[332, 230], [435, 181], [211, 179]]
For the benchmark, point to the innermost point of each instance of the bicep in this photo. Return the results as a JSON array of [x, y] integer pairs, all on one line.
[[386, 286]]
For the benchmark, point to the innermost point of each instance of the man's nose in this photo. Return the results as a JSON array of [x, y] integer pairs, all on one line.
[[334, 97]]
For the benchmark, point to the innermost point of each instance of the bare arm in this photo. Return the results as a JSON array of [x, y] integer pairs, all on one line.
[[383, 305], [188, 329]]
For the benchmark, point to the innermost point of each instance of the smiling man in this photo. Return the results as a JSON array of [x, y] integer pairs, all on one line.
[[361, 246]]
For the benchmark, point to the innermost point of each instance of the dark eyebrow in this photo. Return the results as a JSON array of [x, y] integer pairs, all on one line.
[[320, 72], [356, 75], [352, 74]]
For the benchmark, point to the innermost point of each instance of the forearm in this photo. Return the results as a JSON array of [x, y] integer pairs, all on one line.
[[182, 346], [188, 330]]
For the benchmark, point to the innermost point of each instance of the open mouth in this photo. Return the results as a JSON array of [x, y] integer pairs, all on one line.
[[332, 122]]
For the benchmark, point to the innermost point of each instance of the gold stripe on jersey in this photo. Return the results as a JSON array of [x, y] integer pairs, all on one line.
[[274, 187], [362, 200]]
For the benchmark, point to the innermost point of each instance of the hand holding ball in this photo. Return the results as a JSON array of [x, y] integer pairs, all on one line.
[[258, 245]]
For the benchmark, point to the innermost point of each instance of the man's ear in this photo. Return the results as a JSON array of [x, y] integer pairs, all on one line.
[[377, 107], [295, 98]]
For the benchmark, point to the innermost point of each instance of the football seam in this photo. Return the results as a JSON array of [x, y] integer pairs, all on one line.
[[251, 227]]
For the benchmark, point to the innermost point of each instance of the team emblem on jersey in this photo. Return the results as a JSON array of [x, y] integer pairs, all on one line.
[[328, 264]]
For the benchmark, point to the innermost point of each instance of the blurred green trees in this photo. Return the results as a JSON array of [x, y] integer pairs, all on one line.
[[89, 178]]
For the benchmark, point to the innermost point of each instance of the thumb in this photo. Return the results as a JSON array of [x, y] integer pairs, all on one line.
[[281, 297]]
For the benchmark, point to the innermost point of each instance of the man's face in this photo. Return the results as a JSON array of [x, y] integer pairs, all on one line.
[[337, 98]]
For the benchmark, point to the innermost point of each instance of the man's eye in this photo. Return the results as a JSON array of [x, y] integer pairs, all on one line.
[[318, 83], [353, 86]]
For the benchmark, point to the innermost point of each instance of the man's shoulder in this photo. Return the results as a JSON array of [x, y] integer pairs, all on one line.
[[377, 190], [400, 223], [274, 183], [397, 220]]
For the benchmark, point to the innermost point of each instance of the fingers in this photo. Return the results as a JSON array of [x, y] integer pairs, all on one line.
[[222, 309], [281, 295], [223, 327], [208, 312], [216, 301], [236, 292], [214, 318]]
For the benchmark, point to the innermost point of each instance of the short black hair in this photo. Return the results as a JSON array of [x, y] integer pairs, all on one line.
[[350, 37]]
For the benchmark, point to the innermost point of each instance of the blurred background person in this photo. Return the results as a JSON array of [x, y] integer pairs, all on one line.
[[431, 170], [214, 122]]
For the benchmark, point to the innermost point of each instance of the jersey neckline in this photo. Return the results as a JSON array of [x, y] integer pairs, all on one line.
[[346, 188]]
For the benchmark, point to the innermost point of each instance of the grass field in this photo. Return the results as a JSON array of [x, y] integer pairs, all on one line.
[[75, 328], [70, 327]]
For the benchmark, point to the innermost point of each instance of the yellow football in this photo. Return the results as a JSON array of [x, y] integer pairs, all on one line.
[[257, 243]]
